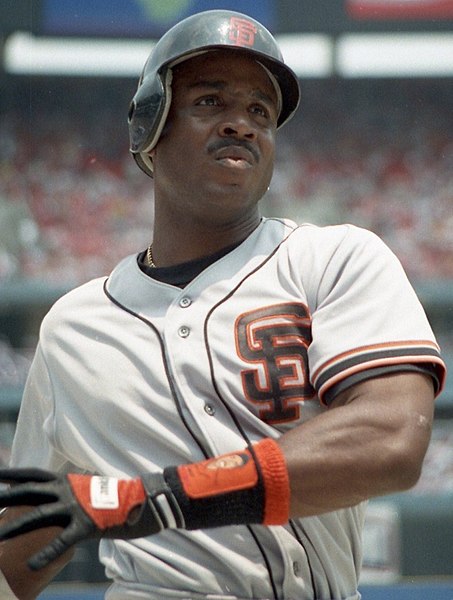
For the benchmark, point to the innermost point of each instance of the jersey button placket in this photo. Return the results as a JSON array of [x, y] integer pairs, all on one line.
[[296, 568], [185, 302], [184, 331], [209, 410]]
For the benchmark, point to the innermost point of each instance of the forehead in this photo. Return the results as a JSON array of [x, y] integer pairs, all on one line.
[[229, 67]]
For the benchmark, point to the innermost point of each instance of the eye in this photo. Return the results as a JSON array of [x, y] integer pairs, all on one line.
[[208, 101], [260, 110]]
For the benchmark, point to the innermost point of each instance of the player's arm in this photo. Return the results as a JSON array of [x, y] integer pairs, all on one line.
[[14, 554], [371, 442]]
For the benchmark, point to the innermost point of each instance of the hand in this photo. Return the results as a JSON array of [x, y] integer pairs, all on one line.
[[84, 506]]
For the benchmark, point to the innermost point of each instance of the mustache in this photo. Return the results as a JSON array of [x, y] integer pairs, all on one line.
[[226, 142]]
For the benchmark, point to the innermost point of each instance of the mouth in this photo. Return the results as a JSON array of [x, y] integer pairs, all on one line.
[[236, 157]]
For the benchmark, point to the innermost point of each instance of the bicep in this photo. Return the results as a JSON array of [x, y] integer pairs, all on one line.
[[400, 404]]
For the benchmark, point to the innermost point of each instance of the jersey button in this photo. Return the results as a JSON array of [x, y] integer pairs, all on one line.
[[209, 409], [184, 331], [296, 568], [185, 302]]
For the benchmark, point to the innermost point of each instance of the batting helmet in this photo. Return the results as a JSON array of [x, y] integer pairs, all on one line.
[[202, 32]]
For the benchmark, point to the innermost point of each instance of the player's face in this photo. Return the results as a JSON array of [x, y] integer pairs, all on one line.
[[217, 148]]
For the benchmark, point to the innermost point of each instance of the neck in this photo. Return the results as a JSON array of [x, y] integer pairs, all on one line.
[[182, 242]]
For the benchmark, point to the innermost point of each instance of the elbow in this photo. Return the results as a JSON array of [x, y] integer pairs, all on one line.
[[405, 476], [405, 467], [406, 449]]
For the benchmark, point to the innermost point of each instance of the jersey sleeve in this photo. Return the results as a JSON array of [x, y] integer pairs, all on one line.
[[33, 441], [367, 320]]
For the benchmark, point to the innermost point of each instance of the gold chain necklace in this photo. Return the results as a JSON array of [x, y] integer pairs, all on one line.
[[149, 257]]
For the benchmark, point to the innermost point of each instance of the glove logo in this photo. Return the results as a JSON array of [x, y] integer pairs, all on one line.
[[229, 461], [104, 493], [220, 475], [242, 32]]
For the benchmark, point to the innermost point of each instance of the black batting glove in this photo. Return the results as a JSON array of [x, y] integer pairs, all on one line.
[[237, 488], [85, 507]]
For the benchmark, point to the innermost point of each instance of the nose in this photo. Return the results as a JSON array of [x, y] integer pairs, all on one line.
[[238, 125]]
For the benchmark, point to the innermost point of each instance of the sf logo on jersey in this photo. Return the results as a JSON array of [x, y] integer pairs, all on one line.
[[275, 340]]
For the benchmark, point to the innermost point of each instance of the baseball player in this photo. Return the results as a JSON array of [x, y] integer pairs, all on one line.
[[219, 409]]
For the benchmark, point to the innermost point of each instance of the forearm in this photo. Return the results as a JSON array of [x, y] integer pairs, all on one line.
[[367, 445], [25, 583]]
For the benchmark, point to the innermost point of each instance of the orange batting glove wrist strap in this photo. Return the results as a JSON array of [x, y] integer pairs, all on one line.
[[272, 463], [238, 488]]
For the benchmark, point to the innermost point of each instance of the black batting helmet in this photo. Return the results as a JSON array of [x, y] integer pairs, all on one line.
[[202, 32]]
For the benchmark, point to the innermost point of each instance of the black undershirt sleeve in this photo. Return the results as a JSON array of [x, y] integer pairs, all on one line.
[[425, 368]]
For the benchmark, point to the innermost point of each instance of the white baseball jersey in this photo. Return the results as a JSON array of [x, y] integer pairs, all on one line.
[[132, 374]]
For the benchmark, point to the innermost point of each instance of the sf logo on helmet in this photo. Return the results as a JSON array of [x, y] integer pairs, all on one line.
[[242, 32]]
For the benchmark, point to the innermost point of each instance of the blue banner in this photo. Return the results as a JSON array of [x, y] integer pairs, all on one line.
[[136, 18]]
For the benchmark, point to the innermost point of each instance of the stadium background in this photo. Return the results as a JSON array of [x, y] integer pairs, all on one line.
[[372, 144]]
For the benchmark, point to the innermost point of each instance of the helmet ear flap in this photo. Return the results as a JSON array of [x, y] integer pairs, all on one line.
[[144, 162], [131, 111], [147, 115]]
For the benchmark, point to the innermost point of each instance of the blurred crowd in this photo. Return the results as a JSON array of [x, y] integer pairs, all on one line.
[[379, 155], [373, 153], [69, 207]]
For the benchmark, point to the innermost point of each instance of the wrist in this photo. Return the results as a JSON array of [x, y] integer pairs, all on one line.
[[244, 487], [249, 486]]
